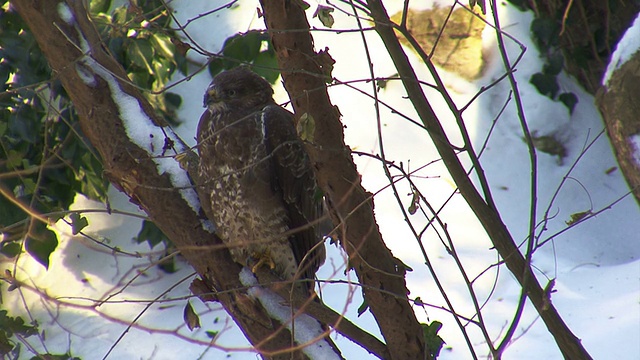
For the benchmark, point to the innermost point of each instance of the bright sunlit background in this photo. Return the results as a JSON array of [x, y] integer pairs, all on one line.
[[595, 263]]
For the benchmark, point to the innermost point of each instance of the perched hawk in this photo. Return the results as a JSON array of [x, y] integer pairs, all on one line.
[[257, 184]]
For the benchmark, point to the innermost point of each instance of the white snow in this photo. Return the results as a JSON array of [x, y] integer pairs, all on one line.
[[635, 142], [65, 13], [143, 132], [306, 329], [595, 263], [628, 45], [85, 74], [141, 129]]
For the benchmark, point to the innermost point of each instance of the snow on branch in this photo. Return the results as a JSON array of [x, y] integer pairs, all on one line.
[[628, 45], [140, 128], [307, 331]]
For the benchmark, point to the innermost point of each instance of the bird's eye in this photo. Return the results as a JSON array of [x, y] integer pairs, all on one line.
[[231, 93]]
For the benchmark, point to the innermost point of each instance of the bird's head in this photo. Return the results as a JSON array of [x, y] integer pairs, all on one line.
[[237, 88]]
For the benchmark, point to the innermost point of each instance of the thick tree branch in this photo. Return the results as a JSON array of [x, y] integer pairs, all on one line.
[[62, 31], [325, 315], [304, 74], [568, 343], [619, 109]]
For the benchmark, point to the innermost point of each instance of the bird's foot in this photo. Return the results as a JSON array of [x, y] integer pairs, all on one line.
[[262, 258]]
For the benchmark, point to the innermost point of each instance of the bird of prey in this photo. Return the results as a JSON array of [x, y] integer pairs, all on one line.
[[256, 181]]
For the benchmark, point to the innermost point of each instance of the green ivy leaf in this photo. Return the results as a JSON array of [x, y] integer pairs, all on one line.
[[50, 356], [23, 115], [303, 4], [554, 64], [141, 78], [363, 307], [211, 334], [10, 249], [266, 65], [9, 213], [162, 69], [522, 5], [7, 346], [99, 6], [120, 18], [191, 319], [163, 45], [94, 186], [247, 48], [141, 53], [25, 123], [569, 100], [323, 13], [168, 265], [28, 186], [174, 100], [483, 6], [15, 325], [151, 234], [546, 32], [215, 66], [40, 243], [182, 64], [14, 159], [117, 49], [242, 48], [78, 222], [433, 341], [546, 84]]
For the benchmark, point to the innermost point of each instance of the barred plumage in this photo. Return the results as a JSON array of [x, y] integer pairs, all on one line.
[[258, 185]]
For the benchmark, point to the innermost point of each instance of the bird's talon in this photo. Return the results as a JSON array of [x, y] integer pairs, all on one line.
[[263, 259]]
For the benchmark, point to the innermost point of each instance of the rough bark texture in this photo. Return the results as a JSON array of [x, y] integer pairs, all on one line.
[[592, 28], [304, 72], [567, 342], [620, 110], [133, 171]]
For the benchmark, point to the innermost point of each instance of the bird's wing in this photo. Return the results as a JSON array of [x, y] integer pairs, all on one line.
[[293, 177], [205, 131]]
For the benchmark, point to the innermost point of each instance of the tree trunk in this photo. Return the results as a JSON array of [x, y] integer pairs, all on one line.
[[619, 105], [89, 77], [305, 73]]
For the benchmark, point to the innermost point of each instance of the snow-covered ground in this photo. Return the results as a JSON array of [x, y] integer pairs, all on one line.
[[595, 263]]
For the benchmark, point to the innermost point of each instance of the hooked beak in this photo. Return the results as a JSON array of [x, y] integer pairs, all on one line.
[[210, 96]]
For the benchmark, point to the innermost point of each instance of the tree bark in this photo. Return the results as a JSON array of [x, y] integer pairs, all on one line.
[[588, 33], [619, 106], [305, 73], [131, 169], [592, 30]]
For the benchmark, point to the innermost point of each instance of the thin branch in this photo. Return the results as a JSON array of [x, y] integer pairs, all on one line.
[[568, 343]]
